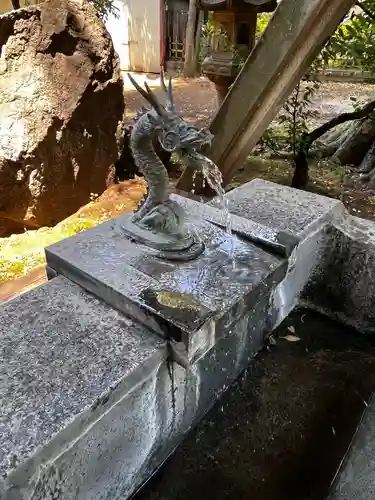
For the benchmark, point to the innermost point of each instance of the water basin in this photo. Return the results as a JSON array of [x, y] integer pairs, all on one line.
[[280, 432]]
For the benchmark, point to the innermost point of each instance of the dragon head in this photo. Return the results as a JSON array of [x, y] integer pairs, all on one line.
[[172, 132]]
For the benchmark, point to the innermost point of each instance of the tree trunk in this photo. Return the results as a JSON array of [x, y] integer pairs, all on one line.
[[198, 36], [368, 162], [190, 63], [301, 174], [331, 144], [16, 4], [301, 171], [353, 149]]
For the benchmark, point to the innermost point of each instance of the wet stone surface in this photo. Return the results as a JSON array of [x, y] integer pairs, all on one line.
[[342, 285], [280, 207], [282, 429], [356, 478], [183, 301]]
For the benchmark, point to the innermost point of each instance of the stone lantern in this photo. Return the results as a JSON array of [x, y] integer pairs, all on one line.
[[236, 21]]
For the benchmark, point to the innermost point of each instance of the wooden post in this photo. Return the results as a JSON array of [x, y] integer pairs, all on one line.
[[189, 64], [198, 36], [162, 34], [295, 35]]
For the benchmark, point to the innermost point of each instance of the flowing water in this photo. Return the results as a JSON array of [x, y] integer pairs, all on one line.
[[214, 179]]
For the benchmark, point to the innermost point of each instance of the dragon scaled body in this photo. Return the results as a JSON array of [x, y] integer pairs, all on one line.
[[158, 213]]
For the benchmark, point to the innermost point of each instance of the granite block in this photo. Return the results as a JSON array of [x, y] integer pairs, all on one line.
[[213, 373], [193, 303], [91, 401], [66, 358], [282, 208], [278, 242], [294, 218], [355, 479], [342, 284]]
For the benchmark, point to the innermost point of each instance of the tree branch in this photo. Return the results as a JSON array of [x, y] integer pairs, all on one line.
[[301, 172], [338, 120]]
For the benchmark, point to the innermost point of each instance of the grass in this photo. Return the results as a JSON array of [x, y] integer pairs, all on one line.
[[22, 252], [326, 178]]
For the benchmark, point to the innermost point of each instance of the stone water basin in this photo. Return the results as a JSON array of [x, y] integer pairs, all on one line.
[[281, 430]]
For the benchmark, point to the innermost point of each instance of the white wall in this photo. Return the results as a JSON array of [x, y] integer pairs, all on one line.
[[136, 35], [119, 31]]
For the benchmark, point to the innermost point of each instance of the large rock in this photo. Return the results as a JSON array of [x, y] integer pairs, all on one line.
[[61, 100]]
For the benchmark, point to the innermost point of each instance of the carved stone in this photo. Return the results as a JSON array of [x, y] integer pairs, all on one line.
[[237, 20]]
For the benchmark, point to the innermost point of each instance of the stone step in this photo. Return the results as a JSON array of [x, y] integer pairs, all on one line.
[[355, 479], [91, 403], [78, 394]]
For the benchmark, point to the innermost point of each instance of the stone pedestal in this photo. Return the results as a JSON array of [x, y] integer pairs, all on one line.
[[235, 40], [193, 304], [221, 69]]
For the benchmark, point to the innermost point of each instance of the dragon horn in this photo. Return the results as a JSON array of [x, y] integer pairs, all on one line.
[[162, 82], [167, 91], [152, 99], [148, 95]]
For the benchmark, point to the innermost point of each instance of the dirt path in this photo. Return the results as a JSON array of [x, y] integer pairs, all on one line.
[[196, 98], [333, 98]]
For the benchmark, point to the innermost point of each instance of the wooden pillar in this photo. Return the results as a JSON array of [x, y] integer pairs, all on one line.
[[295, 35], [163, 33]]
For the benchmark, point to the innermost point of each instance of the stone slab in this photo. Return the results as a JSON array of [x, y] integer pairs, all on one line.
[[66, 358], [342, 284], [282, 208], [279, 242], [355, 479], [194, 303]]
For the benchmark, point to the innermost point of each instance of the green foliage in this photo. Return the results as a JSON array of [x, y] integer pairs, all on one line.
[[262, 22], [293, 120], [214, 39], [105, 8], [353, 43], [22, 252]]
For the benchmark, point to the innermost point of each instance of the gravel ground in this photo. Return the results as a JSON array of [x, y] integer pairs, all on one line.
[[196, 98]]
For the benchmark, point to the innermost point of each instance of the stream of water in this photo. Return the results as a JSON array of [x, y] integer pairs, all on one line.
[[214, 179]]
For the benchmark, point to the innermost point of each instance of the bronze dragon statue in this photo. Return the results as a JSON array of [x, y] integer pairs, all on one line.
[[158, 214]]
